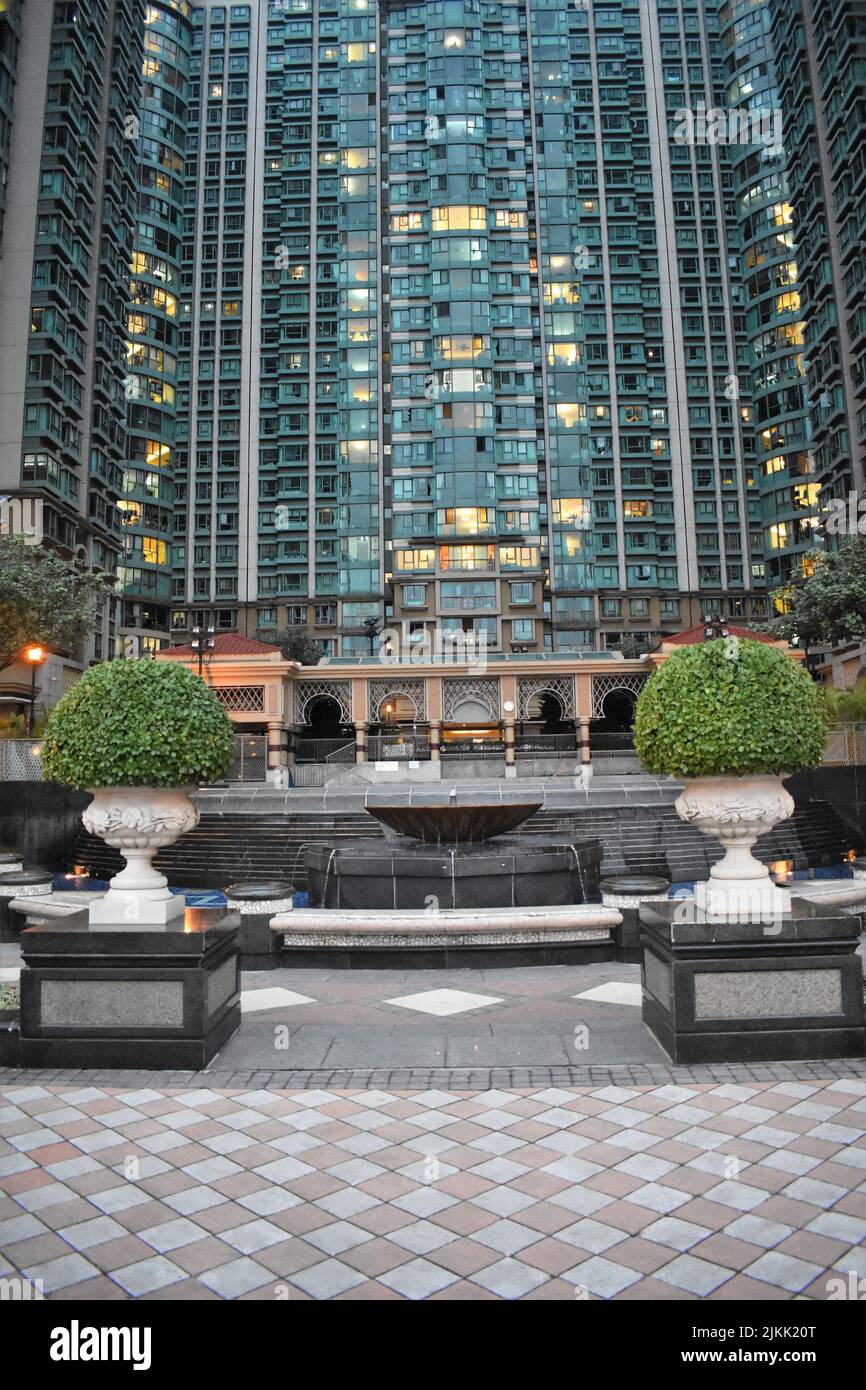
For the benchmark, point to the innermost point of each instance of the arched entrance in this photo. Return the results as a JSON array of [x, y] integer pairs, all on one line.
[[618, 709], [546, 709], [324, 719]]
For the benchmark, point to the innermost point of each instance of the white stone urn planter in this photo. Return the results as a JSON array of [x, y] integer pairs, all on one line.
[[138, 821], [737, 810]]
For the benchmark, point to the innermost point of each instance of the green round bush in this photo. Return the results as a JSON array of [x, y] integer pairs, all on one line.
[[138, 724], [730, 708]]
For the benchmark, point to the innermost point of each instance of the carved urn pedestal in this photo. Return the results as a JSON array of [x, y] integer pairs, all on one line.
[[737, 810], [138, 821]]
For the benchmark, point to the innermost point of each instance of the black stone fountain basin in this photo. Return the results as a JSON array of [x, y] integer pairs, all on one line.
[[452, 824], [516, 871]]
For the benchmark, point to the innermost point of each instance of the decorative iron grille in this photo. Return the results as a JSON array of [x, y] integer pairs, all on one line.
[[483, 692], [306, 692], [602, 686], [415, 691], [560, 687], [243, 698]]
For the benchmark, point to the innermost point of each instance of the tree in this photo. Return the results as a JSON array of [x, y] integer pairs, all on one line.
[[44, 599], [297, 644], [831, 606]]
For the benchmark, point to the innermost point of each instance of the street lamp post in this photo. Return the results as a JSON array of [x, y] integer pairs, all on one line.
[[35, 654], [714, 628], [202, 642]]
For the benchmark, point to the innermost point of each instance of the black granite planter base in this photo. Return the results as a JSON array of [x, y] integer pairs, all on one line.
[[745, 992], [158, 1054], [443, 957], [783, 1045], [106, 996]]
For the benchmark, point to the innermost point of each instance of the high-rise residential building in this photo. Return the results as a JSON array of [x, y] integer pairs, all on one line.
[[450, 317], [68, 220], [769, 272], [820, 48], [462, 336]]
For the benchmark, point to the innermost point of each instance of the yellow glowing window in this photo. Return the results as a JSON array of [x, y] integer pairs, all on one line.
[[327, 158], [658, 447], [561, 292], [157, 455], [414, 559], [216, 89], [563, 354], [231, 308], [783, 214], [465, 557], [519, 556], [570, 414], [358, 52], [467, 520], [130, 513], [510, 217], [808, 565], [778, 535], [163, 300], [776, 465], [150, 67], [459, 219], [360, 391], [455, 38], [297, 272], [136, 323], [788, 303], [358, 301], [806, 495], [571, 542], [461, 347], [571, 511], [637, 508], [359, 332], [154, 551], [407, 222], [358, 158]]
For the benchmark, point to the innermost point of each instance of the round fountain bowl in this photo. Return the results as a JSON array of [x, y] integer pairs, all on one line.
[[446, 823], [521, 871]]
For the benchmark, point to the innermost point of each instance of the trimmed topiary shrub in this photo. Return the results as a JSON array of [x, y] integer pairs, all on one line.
[[138, 724], [730, 708]]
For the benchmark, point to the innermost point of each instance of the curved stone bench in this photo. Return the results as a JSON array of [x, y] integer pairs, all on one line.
[[501, 926], [832, 892]]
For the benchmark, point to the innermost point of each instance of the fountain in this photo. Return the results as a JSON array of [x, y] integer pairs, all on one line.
[[451, 855]]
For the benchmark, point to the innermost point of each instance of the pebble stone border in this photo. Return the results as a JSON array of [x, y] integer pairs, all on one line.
[[443, 1078]]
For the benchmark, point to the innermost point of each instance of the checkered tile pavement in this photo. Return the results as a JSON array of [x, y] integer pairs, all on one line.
[[705, 1191]]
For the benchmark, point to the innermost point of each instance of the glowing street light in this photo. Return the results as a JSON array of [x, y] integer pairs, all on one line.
[[36, 655]]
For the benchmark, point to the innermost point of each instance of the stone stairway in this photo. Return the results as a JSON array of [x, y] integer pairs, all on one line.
[[637, 837]]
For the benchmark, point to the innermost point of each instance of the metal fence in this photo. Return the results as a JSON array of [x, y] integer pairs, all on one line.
[[398, 748], [20, 760], [250, 761], [320, 750], [846, 746], [546, 746]]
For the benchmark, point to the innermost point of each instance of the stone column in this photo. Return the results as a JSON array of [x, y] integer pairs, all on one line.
[[435, 738], [277, 744], [510, 759], [361, 727], [582, 729]]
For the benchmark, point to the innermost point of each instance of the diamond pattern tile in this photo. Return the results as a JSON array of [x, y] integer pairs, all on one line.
[[596, 1193]]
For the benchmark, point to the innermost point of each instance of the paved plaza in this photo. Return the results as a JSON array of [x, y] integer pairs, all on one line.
[[702, 1191]]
